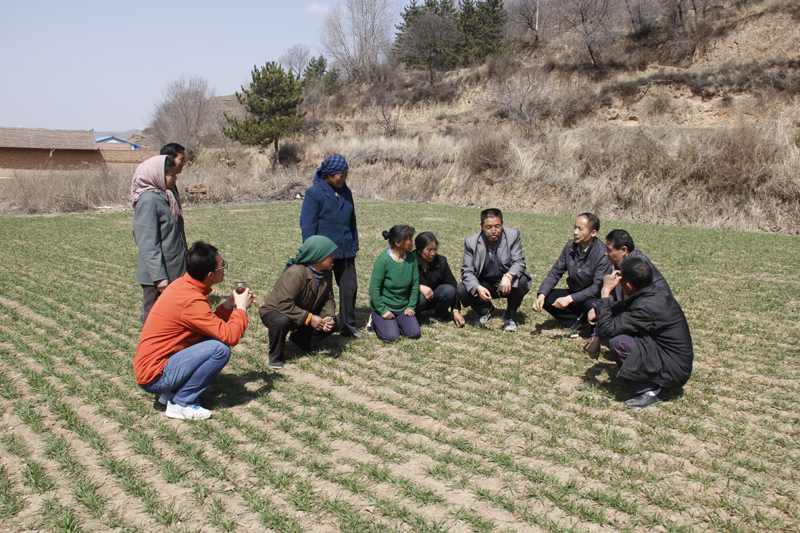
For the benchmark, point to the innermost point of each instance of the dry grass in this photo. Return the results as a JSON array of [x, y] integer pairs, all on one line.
[[64, 191]]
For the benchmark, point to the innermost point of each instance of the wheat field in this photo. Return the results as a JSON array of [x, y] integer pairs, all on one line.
[[462, 430]]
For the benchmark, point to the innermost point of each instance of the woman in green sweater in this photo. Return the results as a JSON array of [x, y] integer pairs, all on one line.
[[394, 286]]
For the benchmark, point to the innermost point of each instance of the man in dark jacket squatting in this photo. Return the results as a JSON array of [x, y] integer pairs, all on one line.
[[650, 338]]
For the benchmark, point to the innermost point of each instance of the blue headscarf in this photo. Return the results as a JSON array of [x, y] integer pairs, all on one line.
[[333, 164]]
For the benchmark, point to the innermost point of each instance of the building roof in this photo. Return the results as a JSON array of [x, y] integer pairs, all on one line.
[[47, 139], [116, 140]]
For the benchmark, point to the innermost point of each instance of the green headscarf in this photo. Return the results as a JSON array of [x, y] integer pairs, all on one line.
[[314, 250]]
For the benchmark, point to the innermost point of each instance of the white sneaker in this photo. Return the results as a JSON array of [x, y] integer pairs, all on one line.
[[370, 328], [509, 325], [165, 398], [190, 412]]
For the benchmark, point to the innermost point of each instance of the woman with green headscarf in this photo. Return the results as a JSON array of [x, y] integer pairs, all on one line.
[[302, 300]]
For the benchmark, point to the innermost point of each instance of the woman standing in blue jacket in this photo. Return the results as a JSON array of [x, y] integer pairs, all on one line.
[[328, 210]]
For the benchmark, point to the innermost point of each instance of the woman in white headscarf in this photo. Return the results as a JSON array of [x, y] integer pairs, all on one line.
[[157, 228]]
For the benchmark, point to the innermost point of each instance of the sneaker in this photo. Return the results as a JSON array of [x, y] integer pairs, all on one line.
[[165, 398], [276, 364], [190, 412], [509, 325], [370, 329], [481, 320]]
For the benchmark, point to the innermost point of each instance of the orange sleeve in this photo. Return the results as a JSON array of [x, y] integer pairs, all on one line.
[[198, 314]]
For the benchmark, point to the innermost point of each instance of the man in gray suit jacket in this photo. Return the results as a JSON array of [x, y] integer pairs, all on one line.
[[494, 267]]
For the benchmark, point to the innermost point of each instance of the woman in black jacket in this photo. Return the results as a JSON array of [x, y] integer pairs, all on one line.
[[437, 286]]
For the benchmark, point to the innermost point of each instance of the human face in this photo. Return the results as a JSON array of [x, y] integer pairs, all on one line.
[[218, 275], [326, 264], [171, 179], [337, 180], [614, 255], [430, 251], [583, 233], [492, 229], [407, 245], [180, 160]]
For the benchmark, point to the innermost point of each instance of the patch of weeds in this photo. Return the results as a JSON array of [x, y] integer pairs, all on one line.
[[34, 476], [11, 502], [61, 519], [87, 494], [475, 521]]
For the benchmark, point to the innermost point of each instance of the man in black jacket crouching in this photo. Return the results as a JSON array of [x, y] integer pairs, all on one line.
[[650, 338]]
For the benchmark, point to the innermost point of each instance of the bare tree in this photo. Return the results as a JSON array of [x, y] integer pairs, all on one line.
[[358, 34], [184, 113], [590, 21], [526, 13], [295, 59]]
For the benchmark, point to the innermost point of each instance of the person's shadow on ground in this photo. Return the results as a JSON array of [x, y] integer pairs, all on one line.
[[229, 390]]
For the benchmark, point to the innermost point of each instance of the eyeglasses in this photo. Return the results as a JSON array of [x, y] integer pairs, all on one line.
[[223, 267]]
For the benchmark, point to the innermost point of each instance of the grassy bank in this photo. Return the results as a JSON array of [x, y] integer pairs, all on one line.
[[463, 430]]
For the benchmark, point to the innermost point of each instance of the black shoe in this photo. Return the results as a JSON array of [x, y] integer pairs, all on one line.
[[354, 334], [645, 399], [575, 325], [276, 364], [158, 406]]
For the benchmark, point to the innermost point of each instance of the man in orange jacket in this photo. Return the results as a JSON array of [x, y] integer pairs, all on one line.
[[184, 345]]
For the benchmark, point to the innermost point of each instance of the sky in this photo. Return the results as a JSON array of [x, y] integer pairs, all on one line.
[[103, 65]]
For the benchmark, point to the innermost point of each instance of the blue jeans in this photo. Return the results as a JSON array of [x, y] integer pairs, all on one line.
[[188, 373]]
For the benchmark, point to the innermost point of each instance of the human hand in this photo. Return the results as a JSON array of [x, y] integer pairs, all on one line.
[[328, 323], [388, 315], [426, 291], [563, 302], [458, 319], [505, 285], [592, 316], [161, 285], [243, 300], [538, 305], [409, 312], [318, 323], [484, 294], [610, 282]]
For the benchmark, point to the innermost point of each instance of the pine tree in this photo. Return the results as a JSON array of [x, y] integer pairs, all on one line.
[[428, 37], [481, 24], [315, 68], [271, 101]]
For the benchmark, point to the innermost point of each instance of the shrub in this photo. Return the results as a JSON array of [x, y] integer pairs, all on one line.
[[291, 153], [486, 149], [64, 191]]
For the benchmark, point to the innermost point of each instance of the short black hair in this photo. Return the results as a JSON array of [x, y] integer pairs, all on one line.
[[637, 272], [620, 238], [398, 234], [491, 213], [169, 164], [201, 260], [424, 239], [593, 220], [172, 149]]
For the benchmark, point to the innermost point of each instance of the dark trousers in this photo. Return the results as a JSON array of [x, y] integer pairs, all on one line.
[[621, 347], [569, 314], [514, 299], [344, 270], [444, 297], [151, 294], [305, 337], [390, 329]]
